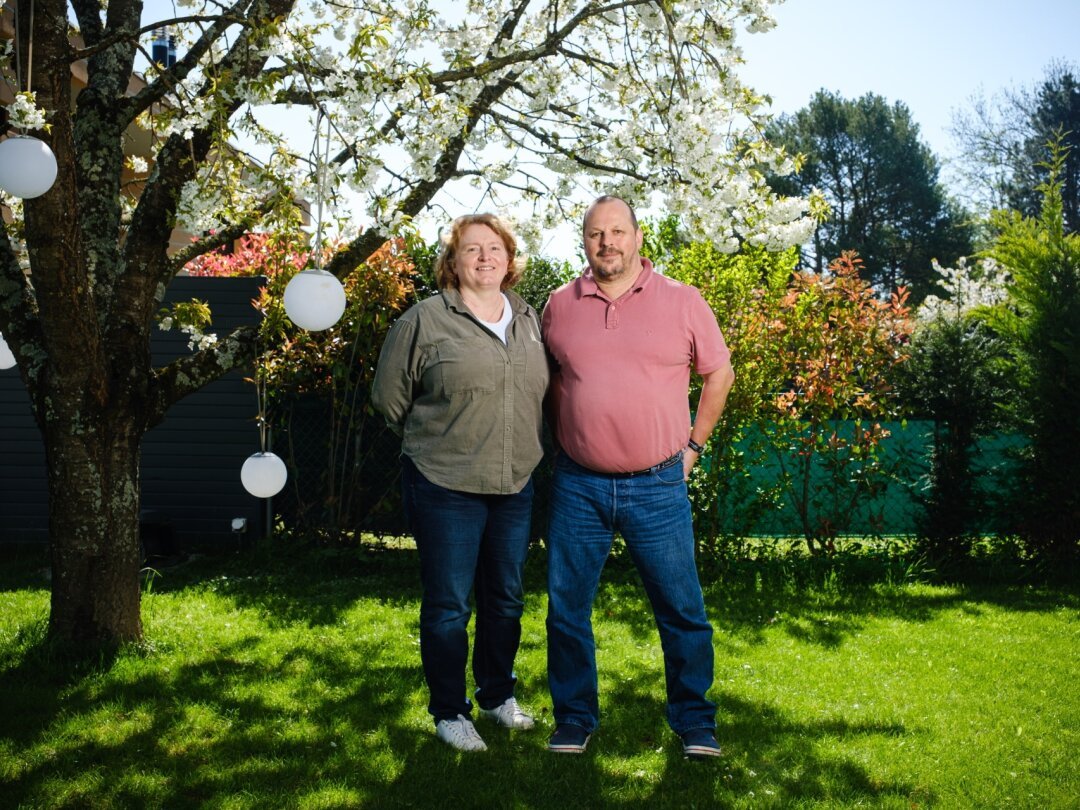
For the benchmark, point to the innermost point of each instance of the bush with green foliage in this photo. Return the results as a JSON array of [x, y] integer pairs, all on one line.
[[840, 346], [955, 377], [542, 275], [810, 352], [1041, 319], [744, 290]]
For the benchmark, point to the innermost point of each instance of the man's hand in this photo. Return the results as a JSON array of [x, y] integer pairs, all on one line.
[[689, 459]]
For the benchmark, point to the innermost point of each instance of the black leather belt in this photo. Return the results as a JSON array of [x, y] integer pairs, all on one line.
[[655, 468]]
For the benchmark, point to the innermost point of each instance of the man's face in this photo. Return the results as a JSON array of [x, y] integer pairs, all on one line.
[[612, 243]]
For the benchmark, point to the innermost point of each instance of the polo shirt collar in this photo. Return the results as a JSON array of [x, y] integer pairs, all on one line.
[[590, 287]]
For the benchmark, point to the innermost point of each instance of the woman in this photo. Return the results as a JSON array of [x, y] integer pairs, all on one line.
[[461, 377]]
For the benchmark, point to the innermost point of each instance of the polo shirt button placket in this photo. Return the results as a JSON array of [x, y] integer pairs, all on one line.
[[612, 320]]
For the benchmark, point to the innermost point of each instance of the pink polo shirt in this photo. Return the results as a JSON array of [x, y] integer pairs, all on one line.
[[621, 369]]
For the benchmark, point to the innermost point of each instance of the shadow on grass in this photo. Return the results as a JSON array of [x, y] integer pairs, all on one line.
[[342, 723], [819, 600], [813, 602], [635, 760], [311, 586], [234, 725], [225, 724]]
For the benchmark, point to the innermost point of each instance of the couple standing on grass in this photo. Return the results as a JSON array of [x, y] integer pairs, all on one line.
[[463, 377]]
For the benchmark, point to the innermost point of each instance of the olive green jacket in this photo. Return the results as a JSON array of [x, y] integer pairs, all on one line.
[[468, 407]]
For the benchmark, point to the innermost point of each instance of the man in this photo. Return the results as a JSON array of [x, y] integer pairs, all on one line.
[[622, 340]]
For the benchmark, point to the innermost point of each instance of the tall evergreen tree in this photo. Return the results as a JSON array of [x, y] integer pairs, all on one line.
[[1042, 320], [881, 181]]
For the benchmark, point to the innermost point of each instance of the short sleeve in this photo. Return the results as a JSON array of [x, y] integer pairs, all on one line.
[[710, 348]]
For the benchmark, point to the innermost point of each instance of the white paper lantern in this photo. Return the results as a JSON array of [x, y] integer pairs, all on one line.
[[27, 167], [7, 359], [314, 300], [263, 475]]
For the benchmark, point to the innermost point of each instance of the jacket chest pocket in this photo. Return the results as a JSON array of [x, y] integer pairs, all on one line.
[[533, 367], [464, 365]]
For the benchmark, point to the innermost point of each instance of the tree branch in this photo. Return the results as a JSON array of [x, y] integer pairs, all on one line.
[[103, 43], [548, 47], [88, 14], [547, 140], [156, 90], [186, 375], [357, 252], [178, 161], [218, 239]]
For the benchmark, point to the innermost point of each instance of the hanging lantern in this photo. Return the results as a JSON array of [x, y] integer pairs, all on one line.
[[27, 167], [7, 358], [314, 300], [263, 475]]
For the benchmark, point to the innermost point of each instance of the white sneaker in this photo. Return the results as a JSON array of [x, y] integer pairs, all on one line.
[[509, 715], [460, 734]]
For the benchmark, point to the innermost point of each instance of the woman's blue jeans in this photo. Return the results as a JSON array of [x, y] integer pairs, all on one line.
[[652, 513], [468, 542]]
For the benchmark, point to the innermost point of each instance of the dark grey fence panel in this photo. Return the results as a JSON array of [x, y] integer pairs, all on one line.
[[191, 462], [23, 490]]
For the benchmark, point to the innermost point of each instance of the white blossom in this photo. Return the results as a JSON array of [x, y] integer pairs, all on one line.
[[967, 287], [200, 340], [643, 101], [197, 339], [23, 112]]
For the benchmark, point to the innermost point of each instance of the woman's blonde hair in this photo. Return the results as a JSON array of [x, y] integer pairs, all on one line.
[[446, 277]]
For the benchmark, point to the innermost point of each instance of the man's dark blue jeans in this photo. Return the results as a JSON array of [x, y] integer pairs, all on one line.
[[652, 513], [465, 542]]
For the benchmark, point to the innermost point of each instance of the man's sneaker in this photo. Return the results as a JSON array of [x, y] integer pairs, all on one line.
[[568, 739], [460, 733], [508, 715], [699, 743]]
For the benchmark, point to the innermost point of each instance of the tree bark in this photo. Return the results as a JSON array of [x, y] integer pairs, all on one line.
[[94, 532], [83, 325]]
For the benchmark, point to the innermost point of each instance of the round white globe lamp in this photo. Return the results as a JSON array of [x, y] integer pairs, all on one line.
[[27, 167], [263, 475], [7, 359], [314, 300]]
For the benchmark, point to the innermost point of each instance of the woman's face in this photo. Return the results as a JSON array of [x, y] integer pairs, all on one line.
[[480, 261]]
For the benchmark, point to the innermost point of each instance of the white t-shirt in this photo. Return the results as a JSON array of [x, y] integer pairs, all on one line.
[[498, 328]]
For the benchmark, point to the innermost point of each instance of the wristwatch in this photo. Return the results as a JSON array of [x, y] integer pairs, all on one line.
[[697, 448]]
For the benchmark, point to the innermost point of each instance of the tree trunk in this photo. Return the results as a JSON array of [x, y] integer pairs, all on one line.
[[94, 533]]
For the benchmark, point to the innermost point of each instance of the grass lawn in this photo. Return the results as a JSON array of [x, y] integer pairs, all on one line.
[[296, 682]]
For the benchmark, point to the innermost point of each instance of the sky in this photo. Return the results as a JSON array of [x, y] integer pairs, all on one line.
[[933, 55]]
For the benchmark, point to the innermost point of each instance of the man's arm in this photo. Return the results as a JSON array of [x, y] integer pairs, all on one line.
[[714, 392]]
